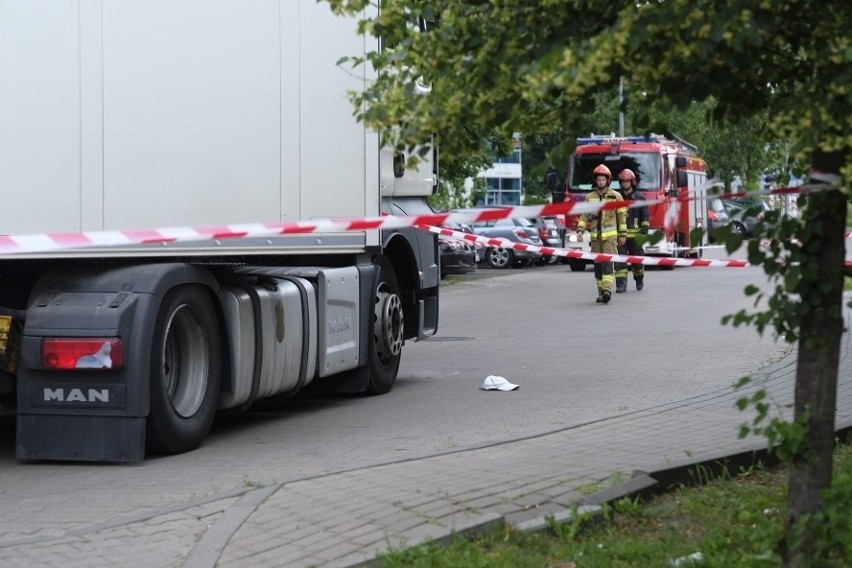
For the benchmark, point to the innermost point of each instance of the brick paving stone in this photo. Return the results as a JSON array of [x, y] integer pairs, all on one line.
[[342, 519]]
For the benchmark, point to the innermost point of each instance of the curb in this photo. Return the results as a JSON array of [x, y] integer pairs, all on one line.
[[666, 478], [593, 512], [478, 524]]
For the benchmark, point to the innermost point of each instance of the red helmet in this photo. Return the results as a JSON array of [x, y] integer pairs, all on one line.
[[602, 170], [627, 175]]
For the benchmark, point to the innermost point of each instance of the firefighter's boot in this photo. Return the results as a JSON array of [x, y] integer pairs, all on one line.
[[620, 285], [640, 282], [605, 295]]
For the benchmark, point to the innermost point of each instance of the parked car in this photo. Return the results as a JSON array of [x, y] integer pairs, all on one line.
[[457, 256], [744, 214], [717, 218], [740, 215], [550, 234], [518, 230]]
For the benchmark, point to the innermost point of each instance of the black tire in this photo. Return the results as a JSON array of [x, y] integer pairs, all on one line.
[[386, 329], [738, 228], [577, 264], [500, 257], [185, 371]]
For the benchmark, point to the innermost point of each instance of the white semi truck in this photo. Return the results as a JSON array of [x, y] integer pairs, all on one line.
[[125, 115]]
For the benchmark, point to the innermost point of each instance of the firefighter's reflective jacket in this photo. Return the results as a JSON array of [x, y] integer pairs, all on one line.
[[606, 224], [637, 217]]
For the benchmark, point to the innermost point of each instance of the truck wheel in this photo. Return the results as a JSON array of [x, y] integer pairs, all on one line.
[[500, 257], [185, 371], [387, 328]]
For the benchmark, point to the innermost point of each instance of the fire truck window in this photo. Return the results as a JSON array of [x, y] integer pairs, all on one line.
[[646, 165], [668, 172]]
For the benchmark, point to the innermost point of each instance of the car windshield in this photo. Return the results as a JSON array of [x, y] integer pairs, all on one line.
[[716, 205], [646, 165], [510, 223], [746, 202]]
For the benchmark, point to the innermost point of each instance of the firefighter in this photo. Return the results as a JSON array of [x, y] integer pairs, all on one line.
[[607, 229], [637, 222]]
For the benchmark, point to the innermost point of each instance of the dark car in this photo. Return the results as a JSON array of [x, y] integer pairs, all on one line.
[[744, 214], [520, 230], [457, 256], [717, 218]]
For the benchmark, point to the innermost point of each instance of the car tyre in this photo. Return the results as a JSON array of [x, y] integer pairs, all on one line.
[[738, 228], [500, 257]]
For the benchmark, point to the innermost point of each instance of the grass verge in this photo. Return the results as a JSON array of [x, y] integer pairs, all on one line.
[[731, 521]]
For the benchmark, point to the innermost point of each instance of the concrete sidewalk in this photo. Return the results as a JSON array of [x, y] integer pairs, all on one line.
[[347, 518]]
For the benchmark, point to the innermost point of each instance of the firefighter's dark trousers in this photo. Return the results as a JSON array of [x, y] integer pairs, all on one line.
[[632, 248], [604, 270]]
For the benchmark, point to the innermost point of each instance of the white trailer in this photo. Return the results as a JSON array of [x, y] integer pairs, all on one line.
[[130, 115]]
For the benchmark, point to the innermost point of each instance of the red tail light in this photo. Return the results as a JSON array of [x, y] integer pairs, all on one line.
[[542, 233], [64, 353], [522, 233], [712, 215]]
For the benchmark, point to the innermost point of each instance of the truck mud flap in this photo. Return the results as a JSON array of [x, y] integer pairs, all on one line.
[[73, 438]]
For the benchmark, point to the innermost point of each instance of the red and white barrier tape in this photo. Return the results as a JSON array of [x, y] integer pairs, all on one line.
[[552, 251], [50, 242], [793, 190]]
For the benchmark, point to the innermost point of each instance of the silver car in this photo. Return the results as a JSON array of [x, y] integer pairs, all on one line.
[[517, 230]]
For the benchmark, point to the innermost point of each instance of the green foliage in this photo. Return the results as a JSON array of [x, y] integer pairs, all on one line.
[[629, 507], [785, 439], [452, 176], [570, 530], [542, 66]]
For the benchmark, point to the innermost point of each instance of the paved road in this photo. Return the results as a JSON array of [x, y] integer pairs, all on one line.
[[328, 481]]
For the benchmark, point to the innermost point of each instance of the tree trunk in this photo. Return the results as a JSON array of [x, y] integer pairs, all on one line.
[[819, 349]]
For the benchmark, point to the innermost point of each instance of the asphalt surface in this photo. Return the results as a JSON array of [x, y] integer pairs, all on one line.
[[615, 400]]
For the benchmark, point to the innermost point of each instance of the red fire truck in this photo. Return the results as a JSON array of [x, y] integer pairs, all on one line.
[[666, 169]]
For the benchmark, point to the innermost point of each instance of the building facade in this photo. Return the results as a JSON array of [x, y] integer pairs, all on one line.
[[503, 178]]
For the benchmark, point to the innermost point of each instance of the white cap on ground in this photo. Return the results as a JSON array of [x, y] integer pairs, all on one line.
[[493, 382]]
